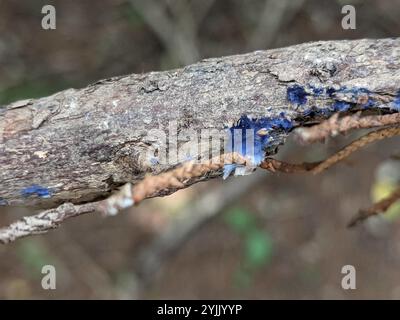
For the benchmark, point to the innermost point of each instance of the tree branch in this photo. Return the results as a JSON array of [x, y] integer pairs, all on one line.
[[79, 146]]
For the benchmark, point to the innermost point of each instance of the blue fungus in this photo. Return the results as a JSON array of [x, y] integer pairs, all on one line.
[[278, 123], [317, 91], [314, 111], [330, 91], [228, 169], [356, 91], [396, 102], [370, 103], [353, 92], [154, 161], [3, 202], [325, 111], [250, 138], [353, 95], [36, 190], [357, 95], [309, 112], [296, 94], [345, 98], [341, 106]]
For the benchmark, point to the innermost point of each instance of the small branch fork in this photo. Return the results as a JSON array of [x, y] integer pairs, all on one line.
[[181, 177], [333, 127]]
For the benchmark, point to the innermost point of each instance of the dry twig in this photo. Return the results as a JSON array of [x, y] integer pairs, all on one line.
[[356, 145], [335, 125], [44, 221], [175, 179], [274, 165], [377, 208]]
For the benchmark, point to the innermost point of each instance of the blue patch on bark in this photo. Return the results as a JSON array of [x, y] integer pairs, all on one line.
[[340, 106], [245, 137], [36, 190], [314, 111], [317, 91], [296, 94], [344, 97], [396, 102]]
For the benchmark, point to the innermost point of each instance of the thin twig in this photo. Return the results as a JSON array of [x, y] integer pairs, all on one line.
[[174, 179], [44, 221], [379, 207], [274, 165], [335, 125], [356, 145]]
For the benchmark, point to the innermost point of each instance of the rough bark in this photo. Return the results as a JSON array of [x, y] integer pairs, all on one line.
[[83, 143]]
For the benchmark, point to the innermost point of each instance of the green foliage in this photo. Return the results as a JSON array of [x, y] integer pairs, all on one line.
[[257, 244], [33, 256], [30, 89], [240, 220], [258, 249]]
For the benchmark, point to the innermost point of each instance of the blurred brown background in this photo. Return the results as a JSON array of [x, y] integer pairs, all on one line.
[[261, 236]]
